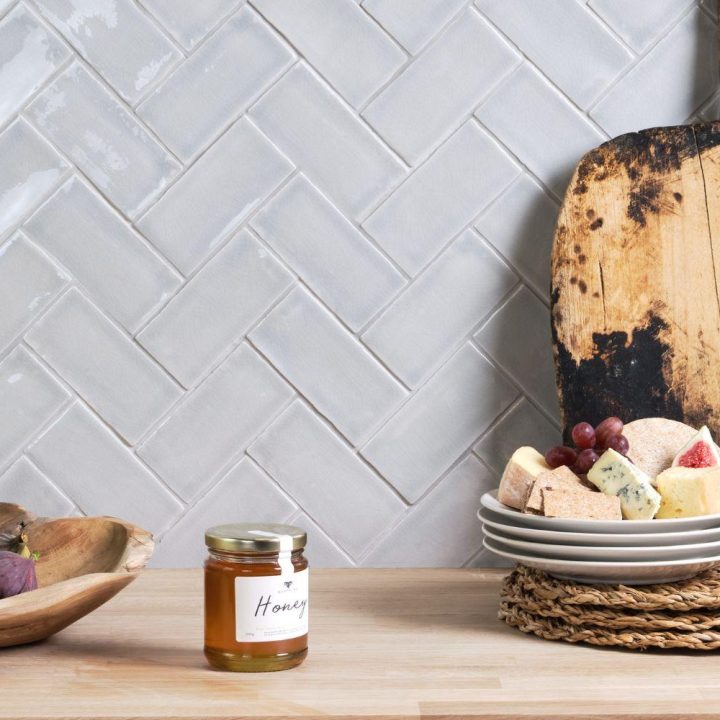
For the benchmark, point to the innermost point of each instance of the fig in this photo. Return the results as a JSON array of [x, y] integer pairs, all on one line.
[[699, 452], [17, 574]]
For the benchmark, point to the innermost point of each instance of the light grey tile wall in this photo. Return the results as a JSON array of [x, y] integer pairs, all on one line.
[[288, 259]]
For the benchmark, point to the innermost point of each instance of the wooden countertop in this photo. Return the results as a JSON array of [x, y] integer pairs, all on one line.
[[383, 643]]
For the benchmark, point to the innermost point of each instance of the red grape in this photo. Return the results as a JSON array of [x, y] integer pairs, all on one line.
[[606, 429], [585, 460], [619, 443], [560, 455], [583, 435]]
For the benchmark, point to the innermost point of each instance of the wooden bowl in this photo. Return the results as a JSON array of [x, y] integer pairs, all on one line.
[[83, 562]]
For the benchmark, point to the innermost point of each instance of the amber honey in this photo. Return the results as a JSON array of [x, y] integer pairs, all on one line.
[[256, 602]]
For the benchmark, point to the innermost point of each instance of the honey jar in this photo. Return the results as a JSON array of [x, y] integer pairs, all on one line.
[[256, 597]]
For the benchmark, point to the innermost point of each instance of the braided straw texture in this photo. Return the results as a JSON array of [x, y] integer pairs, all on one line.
[[684, 614]]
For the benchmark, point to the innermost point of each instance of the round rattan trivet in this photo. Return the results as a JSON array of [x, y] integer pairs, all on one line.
[[683, 614]]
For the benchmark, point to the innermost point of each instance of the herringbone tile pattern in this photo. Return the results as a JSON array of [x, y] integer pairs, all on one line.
[[288, 260]]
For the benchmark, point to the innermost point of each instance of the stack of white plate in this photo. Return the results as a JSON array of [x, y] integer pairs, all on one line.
[[632, 552]]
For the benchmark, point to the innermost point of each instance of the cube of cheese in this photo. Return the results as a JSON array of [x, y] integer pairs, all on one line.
[[687, 492], [561, 477], [614, 474], [523, 467]]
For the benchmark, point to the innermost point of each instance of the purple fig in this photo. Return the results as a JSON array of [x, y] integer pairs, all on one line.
[[17, 574]]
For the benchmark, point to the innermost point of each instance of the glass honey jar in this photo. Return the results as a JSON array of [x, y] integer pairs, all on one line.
[[256, 597]]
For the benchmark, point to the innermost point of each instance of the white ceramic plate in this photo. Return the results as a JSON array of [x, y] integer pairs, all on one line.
[[681, 537], [607, 554], [607, 573], [490, 501]]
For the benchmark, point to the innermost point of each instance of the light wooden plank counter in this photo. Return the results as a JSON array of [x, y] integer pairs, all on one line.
[[384, 643]]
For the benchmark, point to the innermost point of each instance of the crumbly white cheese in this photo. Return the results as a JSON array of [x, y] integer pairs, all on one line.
[[614, 474]]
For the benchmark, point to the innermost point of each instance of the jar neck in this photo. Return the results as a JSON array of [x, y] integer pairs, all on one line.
[[261, 558]]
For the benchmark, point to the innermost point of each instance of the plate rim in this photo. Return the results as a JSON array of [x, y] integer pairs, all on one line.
[[629, 525], [608, 548], [593, 535], [590, 564]]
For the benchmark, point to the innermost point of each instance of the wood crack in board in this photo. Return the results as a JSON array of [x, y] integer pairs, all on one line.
[[709, 224]]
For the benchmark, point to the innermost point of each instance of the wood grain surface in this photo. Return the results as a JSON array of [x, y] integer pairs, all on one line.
[[383, 644], [635, 297]]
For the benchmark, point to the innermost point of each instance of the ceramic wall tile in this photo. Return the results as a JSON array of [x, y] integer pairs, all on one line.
[[23, 484], [478, 169], [103, 365], [117, 38], [189, 21], [343, 381], [228, 411], [321, 550], [442, 530], [30, 397], [440, 422], [559, 136], [434, 315], [522, 425], [413, 22], [328, 252], [215, 308], [520, 224], [639, 23], [103, 252], [84, 457], [355, 54], [244, 494], [103, 139], [217, 193], [432, 97], [657, 90], [207, 93], [330, 144], [344, 496], [29, 281], [584, 56], [31, 171], [29, 54], [518, 337]]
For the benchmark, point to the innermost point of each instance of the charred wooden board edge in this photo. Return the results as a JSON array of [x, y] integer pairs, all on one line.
[[628, 374], [631, 373]]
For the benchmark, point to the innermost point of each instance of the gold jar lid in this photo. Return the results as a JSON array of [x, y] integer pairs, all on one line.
[[255, 537]]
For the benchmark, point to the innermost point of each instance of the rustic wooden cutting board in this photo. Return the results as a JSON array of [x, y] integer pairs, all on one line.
[[635, 297]]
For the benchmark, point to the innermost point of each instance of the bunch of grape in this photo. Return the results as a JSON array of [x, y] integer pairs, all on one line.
[[588, 442]]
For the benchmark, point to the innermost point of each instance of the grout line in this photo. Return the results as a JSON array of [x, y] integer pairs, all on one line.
[[556, 88], [218, 247], [640, 58], [235, 459], [297, 515], [9, 460]]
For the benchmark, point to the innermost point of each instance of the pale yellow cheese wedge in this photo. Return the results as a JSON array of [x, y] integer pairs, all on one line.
[[688, 492], [523, 467]]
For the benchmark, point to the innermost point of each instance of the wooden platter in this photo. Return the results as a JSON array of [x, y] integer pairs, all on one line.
[[83, 563]]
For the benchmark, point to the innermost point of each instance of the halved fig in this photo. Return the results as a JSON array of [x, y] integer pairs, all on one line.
[[700, 452]]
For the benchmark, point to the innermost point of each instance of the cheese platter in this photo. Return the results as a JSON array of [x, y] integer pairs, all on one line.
[[603, 510]]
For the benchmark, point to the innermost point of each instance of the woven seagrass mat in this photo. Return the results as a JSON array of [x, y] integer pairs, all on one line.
[[683, 614]]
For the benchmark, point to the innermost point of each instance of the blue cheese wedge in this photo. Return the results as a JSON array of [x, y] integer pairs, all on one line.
[[614, 474]]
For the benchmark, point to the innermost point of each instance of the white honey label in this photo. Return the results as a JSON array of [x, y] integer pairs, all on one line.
[[271, 608]]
